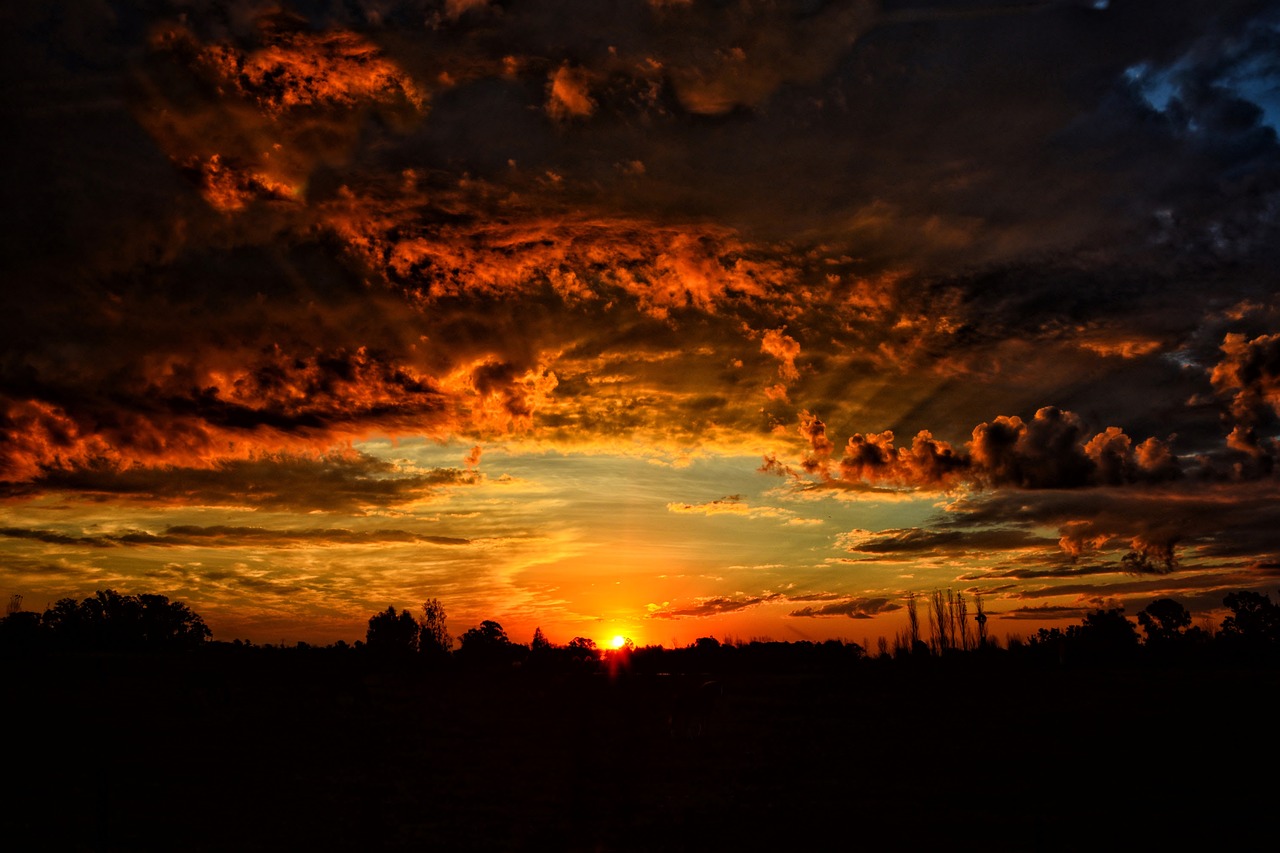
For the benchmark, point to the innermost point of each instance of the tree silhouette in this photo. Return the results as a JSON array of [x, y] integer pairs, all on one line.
[[21, 630], [110, 621], [1254, 619], [391, 633], [981, 620], [1164, 620], [913, 622], [1104, 635], [486, 644], [433, 638], [583, 649]]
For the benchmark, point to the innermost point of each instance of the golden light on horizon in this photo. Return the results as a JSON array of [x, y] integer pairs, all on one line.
[[618, 641]]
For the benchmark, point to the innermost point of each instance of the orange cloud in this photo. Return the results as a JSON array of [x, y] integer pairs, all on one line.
[[1249, 373], [785, 349], [815, 432], [266, 116], [569, 94], [508, 248], [296, 69]]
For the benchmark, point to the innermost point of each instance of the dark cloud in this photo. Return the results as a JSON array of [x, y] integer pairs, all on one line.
[[1046, 612], [1057, 572], [1053, 450], [53, 538], [854, 608], [714, 606], [349, 483], [1093, 596], [223, 536], [915, 542], [835, 604]]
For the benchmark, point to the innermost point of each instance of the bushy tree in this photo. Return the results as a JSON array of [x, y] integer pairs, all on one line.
[[1106, 634], [110, 621], [1103, 636], [1164, 621], [392, 633], [487, 644], [583, 649], [21, 631], [1254, 619]]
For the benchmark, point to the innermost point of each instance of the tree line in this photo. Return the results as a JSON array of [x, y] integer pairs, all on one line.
[[107, 621], [113, 622]]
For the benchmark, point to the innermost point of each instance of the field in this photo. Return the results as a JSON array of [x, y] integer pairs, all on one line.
[[285, 753]]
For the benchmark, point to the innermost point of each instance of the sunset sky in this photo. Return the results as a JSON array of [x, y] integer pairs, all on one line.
[[661, 318]]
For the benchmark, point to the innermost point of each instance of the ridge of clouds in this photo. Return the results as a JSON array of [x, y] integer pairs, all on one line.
[[1050, 451]]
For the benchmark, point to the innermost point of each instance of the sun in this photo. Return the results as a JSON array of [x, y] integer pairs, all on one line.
[[618, 641]]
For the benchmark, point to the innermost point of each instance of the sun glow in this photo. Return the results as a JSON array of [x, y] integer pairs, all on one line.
[[618, 641]]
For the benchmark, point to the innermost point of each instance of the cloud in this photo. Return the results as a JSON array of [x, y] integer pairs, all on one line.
[[233, 537], [734, 505], [814, 431], [251, 116], [1041, 613], [352, 483], [874, 459], [455, 9], [785, 349], [719, 58], [713, 606], [854, 608], [915, 542], [1051, 451], [835, 604], [1249, 376], [293, 68], [1178, 527], [569, 94]]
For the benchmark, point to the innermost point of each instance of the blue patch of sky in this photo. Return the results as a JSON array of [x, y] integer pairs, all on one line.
[[1258, 80], [1253, 75], [1156, 86]]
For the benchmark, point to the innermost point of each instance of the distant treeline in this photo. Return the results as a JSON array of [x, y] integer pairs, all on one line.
[[111, 622]]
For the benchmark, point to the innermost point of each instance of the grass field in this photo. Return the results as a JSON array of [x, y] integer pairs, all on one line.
[[174, 754]]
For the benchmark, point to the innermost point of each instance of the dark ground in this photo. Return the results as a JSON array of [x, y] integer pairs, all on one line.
[[288, 754]]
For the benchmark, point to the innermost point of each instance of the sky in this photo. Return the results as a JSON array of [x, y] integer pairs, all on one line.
[[654, 318]]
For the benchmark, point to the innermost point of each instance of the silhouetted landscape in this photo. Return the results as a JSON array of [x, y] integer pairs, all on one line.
[[132, 729]]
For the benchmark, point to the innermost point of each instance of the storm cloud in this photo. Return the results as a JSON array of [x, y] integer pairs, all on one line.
[[1016, 259]]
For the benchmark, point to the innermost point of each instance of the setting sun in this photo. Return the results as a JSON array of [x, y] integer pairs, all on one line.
[[618, 641]]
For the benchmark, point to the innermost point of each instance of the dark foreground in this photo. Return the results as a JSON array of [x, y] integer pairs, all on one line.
[[182, 754]]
